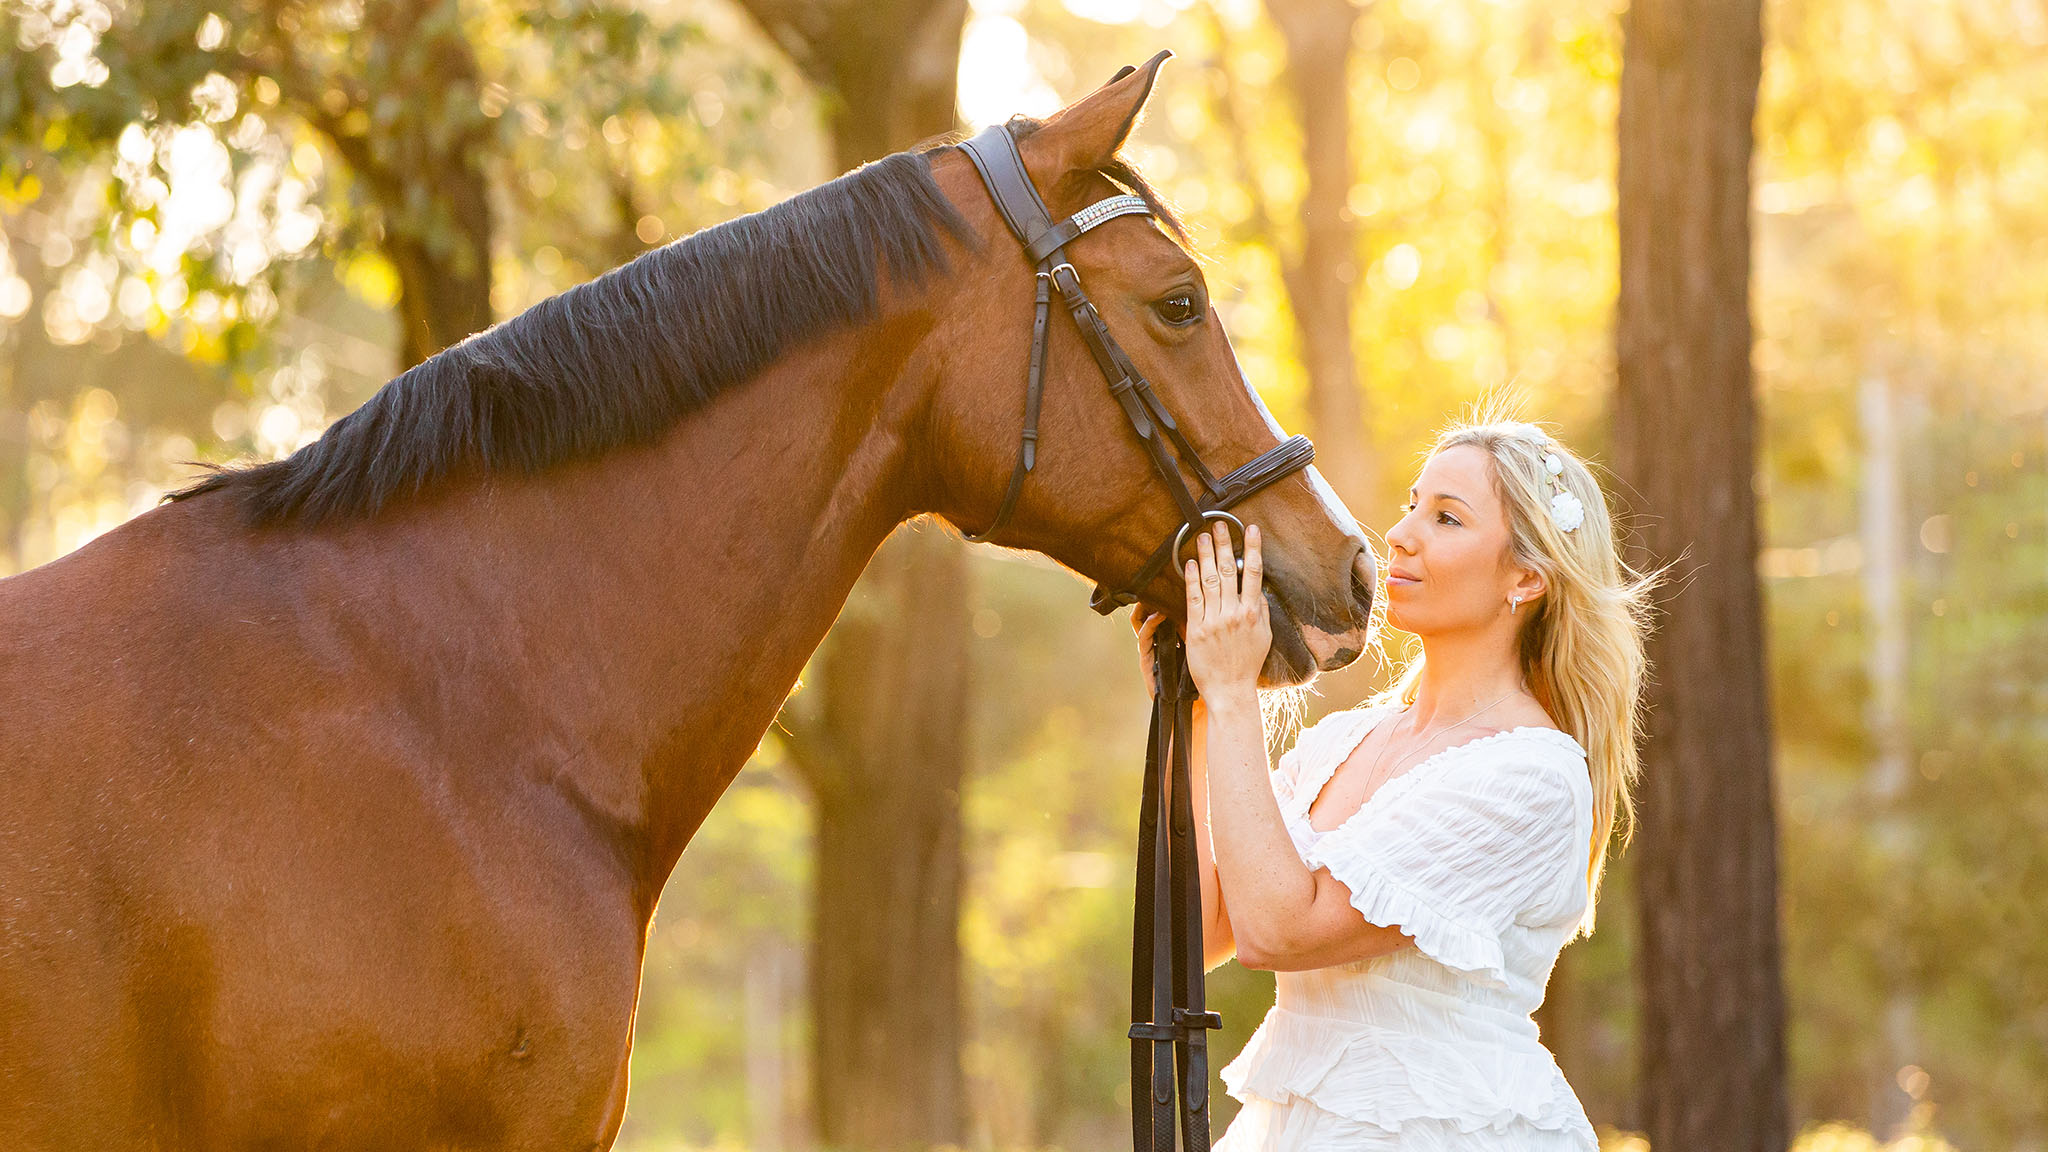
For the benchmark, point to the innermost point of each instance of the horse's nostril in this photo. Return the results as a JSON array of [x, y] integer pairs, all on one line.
[[1361, 586]]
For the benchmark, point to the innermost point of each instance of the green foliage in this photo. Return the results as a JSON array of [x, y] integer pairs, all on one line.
[[215, 189]]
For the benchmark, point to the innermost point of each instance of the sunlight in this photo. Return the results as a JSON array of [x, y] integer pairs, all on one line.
[[997, 78]]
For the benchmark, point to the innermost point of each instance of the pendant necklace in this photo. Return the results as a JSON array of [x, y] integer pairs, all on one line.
[[1373, 774]]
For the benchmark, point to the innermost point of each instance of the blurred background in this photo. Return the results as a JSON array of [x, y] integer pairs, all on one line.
[[225, 225]]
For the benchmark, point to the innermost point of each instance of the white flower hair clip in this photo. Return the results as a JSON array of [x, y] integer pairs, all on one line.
[[1565, 509]]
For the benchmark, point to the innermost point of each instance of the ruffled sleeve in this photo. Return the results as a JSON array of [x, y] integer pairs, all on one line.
[[1453, 860], [1315, 753]]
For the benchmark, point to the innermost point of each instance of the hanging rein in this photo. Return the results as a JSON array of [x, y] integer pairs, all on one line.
[[1170, 1025]]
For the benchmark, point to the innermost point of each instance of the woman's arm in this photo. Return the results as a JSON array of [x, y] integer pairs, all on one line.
[[1281, 915], [1219, 943]]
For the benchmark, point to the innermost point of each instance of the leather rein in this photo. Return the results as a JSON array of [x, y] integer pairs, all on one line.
[[1169, 1029]]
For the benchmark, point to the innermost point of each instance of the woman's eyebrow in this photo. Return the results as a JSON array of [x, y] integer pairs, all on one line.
[[1445, 496]]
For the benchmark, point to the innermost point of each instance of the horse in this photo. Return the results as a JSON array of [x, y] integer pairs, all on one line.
[[338, 790]]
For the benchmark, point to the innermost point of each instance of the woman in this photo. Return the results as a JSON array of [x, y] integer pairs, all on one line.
[[1413, 867]]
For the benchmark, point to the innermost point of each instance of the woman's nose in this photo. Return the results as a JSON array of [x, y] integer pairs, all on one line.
[[1397, 537]]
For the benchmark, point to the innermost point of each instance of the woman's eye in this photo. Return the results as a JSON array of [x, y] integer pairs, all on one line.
[[1178, 310], [1441, 517]]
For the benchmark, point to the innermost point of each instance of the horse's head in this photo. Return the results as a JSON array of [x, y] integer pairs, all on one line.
[[1093, 501]]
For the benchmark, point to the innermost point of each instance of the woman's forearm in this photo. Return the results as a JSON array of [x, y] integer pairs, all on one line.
[[1255, 861], [1218, 942]]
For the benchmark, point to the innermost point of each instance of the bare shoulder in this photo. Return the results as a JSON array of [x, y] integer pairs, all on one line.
[[1521, 714]]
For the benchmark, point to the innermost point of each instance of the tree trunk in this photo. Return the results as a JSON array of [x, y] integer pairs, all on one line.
[[887, 71], [884, 760], [422, 165], [886, 753], [444, 277], [1887, 663], [1712, 1044], [425, 169], [1321, 277]]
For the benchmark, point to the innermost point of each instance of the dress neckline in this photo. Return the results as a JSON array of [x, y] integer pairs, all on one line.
[[1405, 780]]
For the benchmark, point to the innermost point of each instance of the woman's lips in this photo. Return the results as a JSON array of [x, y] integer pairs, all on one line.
[[1398, 579]]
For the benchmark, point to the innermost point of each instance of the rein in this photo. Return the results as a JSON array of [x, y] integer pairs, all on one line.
[[1170, 1025]]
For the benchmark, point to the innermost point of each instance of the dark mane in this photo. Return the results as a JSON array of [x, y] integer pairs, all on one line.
[[619, 359]]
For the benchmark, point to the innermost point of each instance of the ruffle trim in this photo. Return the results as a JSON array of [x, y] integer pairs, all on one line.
[[1302, 792], [1378, 1076], [1266, 1125], [1382, 901]]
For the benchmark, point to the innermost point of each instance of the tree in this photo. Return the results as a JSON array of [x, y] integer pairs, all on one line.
[[391, 88], [1712, 1026], [1322, 270], [884, 751], [887, 71]]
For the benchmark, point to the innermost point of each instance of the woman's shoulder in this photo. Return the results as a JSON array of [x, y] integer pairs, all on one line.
[[1516, 760], [1518, 740], [1343, 726]]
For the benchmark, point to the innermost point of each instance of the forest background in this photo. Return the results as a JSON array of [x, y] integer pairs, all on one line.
[[197, 265]]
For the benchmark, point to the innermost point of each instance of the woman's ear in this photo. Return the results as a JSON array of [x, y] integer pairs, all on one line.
[[1530, 586]]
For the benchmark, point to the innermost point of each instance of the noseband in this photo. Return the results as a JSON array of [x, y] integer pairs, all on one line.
[[1170, 1026]]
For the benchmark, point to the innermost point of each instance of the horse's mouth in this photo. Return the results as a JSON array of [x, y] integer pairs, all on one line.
[[1292, 662], [1289, 663]]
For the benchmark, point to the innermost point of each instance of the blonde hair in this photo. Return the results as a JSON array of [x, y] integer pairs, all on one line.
[[1581, 645]]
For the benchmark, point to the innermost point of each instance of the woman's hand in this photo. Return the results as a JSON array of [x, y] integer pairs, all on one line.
[[1229, 630], [1146, 623]]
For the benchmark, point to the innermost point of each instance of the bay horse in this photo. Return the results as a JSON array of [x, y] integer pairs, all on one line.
[[336, 794]]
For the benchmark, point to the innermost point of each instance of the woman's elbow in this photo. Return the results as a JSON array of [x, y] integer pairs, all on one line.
[[1260, 954]]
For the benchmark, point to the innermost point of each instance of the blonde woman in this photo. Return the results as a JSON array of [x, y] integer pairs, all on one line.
[[1412, 868]]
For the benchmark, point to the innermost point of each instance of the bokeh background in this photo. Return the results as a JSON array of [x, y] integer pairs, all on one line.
[[220, 227]]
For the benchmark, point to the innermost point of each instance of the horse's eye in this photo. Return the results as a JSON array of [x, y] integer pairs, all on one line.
[[1178, 309]]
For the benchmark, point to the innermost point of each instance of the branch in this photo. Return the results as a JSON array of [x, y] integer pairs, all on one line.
[[1225, 112]]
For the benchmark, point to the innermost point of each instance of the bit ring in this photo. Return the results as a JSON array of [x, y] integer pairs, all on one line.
[[1180, 538]]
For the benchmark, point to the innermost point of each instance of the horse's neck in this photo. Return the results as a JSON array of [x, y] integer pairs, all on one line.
[[642, 617]]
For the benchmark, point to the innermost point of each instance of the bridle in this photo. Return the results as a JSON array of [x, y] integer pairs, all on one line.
[[995, 156], [1169, 1029]]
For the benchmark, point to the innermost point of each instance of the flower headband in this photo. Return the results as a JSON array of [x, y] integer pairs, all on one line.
[[1565, 509]]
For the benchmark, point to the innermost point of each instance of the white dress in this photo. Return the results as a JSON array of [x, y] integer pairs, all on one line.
[[1478, 852]]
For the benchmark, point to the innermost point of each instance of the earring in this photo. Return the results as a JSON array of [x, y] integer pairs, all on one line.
[[1514, 602]]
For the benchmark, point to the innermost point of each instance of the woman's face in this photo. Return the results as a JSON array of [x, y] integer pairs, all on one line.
[[1447, 559]]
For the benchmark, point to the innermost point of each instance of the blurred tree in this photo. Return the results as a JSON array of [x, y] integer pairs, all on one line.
[[1712, 1043], [881, 743], [886, 71], [392, 88], [1323, 269], [885, 749]]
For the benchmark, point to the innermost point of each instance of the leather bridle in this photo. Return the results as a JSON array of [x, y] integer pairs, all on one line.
[[1169, 1029], [995, 156]]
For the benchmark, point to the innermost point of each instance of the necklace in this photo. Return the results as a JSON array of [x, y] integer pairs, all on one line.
[[1372, 774]]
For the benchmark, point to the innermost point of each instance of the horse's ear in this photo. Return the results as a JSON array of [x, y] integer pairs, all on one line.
[[1087, 133]]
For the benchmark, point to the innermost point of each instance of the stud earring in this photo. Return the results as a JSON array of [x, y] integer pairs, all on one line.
[[1514, 602]]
